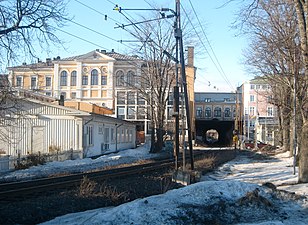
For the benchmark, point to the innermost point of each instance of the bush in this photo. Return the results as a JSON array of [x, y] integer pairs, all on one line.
[[30, 160]]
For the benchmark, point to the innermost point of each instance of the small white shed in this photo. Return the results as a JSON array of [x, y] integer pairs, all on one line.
[[41, 127]]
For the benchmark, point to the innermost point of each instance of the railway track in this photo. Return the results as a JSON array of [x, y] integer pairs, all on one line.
[[15, 190]]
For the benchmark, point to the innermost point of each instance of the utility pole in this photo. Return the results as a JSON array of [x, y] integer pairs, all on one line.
[[179, 38], [176, 94]]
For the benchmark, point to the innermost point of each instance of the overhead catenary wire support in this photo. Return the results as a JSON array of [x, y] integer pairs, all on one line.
[[184, 83], [179, 41]]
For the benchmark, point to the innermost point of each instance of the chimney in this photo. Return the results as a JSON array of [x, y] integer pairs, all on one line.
[[190, 56], [103, 51], [112, 50], [61, 100]]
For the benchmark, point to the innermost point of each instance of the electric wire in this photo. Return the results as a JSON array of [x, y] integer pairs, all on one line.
[[223, 72], [219, 68], [80, 38], [89, 7]]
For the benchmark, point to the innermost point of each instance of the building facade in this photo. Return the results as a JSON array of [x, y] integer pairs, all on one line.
[[43, 127], [98, 77], [260, 116]]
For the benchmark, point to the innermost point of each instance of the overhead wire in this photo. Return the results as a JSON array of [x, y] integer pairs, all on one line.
[[89, 7], [217, 65]]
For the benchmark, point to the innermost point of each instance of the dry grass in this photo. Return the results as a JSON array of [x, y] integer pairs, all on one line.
[[89, 188], [109, 167], [206, 163]]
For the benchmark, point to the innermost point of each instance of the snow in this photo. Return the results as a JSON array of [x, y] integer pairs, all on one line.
[[222, 197], [79, 165]]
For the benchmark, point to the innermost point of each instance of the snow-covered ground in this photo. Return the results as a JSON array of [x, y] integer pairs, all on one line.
[[79, 165], [233, 194]]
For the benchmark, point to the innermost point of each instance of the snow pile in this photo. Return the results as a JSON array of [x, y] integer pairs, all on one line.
[[212, 202]]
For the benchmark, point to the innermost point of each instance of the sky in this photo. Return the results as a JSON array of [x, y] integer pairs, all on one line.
[[219, 57], [221, 194]]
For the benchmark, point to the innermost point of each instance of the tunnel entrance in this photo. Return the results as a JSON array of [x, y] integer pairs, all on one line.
[[205, 132]]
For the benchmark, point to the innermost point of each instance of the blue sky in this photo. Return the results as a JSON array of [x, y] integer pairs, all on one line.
[[216, 23]]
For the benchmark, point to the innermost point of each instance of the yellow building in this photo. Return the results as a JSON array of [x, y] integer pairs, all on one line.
[[97, 77]]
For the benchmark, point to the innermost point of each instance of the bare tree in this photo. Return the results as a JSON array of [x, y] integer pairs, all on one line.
[[279, 52], [302, 20], [157, 48], [26, 25]]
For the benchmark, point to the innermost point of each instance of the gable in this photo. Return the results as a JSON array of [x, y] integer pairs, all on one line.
[[90, 56]]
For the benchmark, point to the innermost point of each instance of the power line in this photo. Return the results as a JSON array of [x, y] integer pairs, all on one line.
[[219, 67], [105, 15], [104, 35], [73, 35]]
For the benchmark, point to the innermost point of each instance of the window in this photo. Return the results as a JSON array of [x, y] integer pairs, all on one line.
[[131, 112], [121, 112], [121, 98], [73, 95], [208, 112], [106, 135], [252, 98], [84, 80], [270, 111], [112, 135], [63, 78], [122, 135], [170, 99], [217, 112], [100, 130], [227, 112], [199, 112], [141, 112], [251, 111], [120, 78], [131, 78], [19, 81], [89, 133], [94, 77], [104, 80], [131, 98], [207, 100], [252, 86], [140, 100], [48, 81], [258, 86], [130, 138], [48, 93], [33, 83], [73, 78]]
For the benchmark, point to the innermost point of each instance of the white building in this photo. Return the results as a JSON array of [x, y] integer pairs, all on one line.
[[43, 128]]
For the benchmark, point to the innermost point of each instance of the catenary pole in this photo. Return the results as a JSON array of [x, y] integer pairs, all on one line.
[[184, 82]]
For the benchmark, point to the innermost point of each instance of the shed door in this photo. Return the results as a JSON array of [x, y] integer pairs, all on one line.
[[38, 139]]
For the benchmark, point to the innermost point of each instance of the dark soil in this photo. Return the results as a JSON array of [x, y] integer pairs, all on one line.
[[44, 207]]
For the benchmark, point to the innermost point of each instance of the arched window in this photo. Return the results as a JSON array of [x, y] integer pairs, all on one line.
[[227, 112], [63, 78], [208, 112], [73, 78], [94, 77], [131, 78], [199, 112], [120, 78], [217, 112]]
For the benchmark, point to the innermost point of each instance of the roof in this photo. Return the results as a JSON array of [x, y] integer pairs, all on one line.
[[101, 54]]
